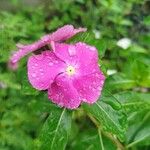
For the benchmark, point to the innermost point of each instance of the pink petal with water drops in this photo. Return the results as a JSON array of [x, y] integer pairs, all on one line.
[[43, 68], [65, 52], [87, 57], [63, 93], [63, 33], [89, 86]]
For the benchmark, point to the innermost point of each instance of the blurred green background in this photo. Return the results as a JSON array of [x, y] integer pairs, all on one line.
[[120, 29]]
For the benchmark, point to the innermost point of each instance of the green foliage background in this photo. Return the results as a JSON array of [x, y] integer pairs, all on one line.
[[120, 119]]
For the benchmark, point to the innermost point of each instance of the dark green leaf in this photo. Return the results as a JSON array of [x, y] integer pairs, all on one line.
[[55, 131], [111, 119], [92, 140]]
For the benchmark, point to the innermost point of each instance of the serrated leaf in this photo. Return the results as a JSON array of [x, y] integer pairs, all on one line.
[[55, 131], [112, 120]]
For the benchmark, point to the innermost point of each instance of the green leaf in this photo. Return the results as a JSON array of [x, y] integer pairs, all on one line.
[[139, 71], [137, 106], [138, 49], [146, 20], [119, 81], [113, 120], [100, 44], [55, 131], [140, 130], [92, 139], [133, 101]]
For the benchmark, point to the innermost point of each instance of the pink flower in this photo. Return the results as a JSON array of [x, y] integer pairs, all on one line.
[[69, 72]]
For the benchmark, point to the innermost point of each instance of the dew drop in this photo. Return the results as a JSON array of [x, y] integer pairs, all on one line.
[[42, 84], [96, 75], [92, 48], [102, 82], [50, 64], [36, 64], [56, 61], [33, 75], [65, 89], [41, 70], [72, 50]]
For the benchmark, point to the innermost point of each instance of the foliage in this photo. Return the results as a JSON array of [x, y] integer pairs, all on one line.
[[120, 119]]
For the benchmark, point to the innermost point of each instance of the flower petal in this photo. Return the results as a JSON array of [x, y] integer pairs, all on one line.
[[43, 68], [84, 56], [63, 51], [63, 33], [87, 57], [63, 93], [89, 87]]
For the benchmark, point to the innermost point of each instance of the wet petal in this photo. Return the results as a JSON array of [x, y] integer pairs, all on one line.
[[63, 33], [87, 57], [63, 93], [43, 68], [65, 52], [89, 87]]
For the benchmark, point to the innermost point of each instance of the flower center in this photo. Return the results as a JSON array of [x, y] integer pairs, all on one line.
[[70, 70]]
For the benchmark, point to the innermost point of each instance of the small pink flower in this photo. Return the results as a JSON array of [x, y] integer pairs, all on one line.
[[69, 72]]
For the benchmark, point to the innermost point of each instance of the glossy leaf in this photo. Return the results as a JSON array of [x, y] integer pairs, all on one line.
[[133, 101], [112, 119], [55, 131]]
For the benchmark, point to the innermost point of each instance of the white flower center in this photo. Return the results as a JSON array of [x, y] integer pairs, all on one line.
[[70, 70]]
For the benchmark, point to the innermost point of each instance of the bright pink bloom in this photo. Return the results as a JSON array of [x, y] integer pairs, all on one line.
[[69, 72]]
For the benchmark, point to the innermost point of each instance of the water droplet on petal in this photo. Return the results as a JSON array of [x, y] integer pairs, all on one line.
[[92, 48], [102, 82], [50, 64], [65, 89], [36, 64], [41, 70], [72, 50], [33, 75], [56, 61]]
